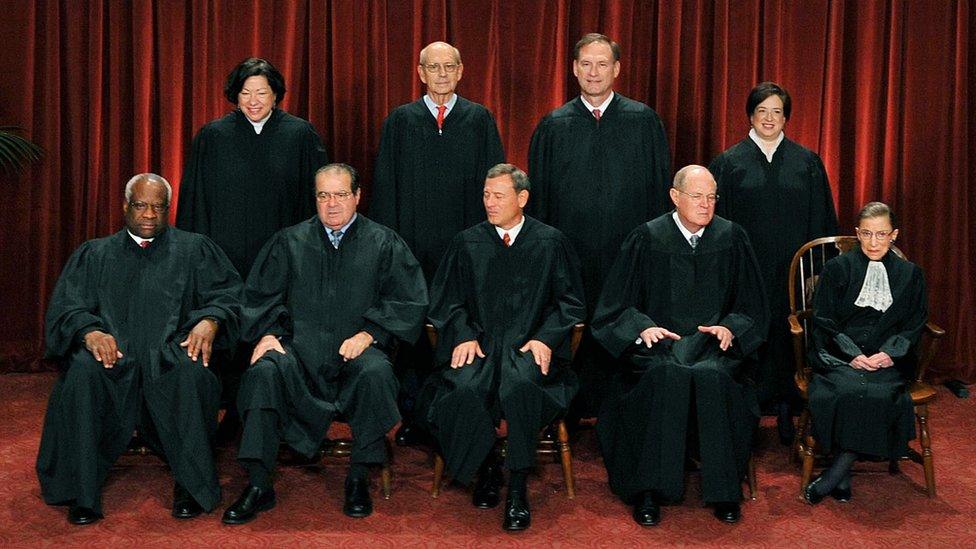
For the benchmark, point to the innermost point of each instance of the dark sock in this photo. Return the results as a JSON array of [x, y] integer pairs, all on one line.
[[258, 475], [836, 472], [845, 483], [517, 480], [358, 470]]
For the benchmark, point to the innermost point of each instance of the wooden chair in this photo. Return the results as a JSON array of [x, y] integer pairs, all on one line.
[[554, 440], [805, 269]]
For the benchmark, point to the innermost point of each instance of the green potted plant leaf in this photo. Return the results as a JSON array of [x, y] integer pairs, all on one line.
[[16, 153]]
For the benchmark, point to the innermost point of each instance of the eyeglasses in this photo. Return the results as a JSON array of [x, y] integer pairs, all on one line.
[[711, 198], [434, 68], [142, 207], [867, 235], [341, 196]]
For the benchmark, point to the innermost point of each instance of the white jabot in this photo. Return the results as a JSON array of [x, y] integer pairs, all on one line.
[[875, 292], [765, 147], [512, 233], [259, 125]]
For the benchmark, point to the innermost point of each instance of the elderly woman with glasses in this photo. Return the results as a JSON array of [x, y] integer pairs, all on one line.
[[869, 310], [777, 190]]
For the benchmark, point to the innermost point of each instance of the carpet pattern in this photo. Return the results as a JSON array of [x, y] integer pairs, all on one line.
[[887, 510]]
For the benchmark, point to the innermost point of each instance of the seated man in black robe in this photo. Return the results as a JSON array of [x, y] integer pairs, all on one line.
[[430, 169], [133, 321], [684, 309], [504, 301], [324, 302]]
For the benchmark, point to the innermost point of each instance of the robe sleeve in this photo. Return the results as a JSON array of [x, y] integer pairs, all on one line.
[[822, 215], [382, 202], [748, 317], [618, 320], [217, 293], [491, 153], [540, 166], [448, 304], [659, 198], [313, 157], [266, 293], [73, 309], [909, 329], [192, 211], [567, 305], [402, 301], [827, 339], [723, 188]]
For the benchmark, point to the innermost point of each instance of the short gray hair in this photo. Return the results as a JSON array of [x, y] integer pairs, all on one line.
[[149, 178], [519, 180], [455, 51], [679, 178], [877, 209]]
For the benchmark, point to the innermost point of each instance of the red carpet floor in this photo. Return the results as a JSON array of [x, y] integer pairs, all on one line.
[[887, 510]]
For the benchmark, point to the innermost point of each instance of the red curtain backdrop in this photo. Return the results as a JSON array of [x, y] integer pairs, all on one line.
[[884, 91]]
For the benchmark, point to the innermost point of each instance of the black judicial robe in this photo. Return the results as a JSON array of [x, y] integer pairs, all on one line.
[[240, 187], [502, 297], [314, 297], [427, 185], [148, 299], [782, 205], [855, 410], [659, 280], [597, 181]]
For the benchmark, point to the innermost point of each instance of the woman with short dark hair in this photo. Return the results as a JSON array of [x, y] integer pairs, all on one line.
[[869, 310]]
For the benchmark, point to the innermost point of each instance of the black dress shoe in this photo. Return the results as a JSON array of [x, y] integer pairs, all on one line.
[[184, 506], [647, 512], [728, 512], [358, 503], [252, 501], [810, 493], [842, 495], [407, 435], [487, 490], [517, 515], [82, 515]]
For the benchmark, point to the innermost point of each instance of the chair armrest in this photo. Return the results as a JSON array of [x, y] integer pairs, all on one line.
[[934, 330], [795, 328]]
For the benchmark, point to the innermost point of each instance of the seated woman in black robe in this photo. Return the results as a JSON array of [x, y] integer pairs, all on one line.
[[868, 312]]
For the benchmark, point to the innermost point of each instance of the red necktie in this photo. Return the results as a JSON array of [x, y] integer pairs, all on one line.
[[441, 109], [144, 244], [507, 240], [596, 114]]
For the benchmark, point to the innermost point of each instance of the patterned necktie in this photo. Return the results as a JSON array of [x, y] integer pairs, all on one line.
[[336, 237], [441, 109], [507, 240], [596, 114], [694, 241], [144, 244]]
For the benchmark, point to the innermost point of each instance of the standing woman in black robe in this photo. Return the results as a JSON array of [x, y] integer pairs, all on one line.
[[249, 174], [869, 310], [777, 190]]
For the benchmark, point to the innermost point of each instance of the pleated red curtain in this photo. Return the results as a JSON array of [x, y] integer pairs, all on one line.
[[883, 90]]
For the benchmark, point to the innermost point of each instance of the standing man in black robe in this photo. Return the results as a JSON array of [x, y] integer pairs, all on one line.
[[504, 301], [601, 157], [428, 180], [683, 308], [249, 174], [778, 191], [132, 322], [324, 303]]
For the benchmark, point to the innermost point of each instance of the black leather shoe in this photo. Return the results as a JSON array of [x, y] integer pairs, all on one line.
[[647, 512], [842, 495], [184, 506], [82, 515], [810, 493], [407, 435], [728, 512], [252, 501], [487, 491], [517, 515], [358, 503]]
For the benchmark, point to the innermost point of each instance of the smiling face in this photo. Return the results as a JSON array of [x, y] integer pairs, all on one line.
[[256, 99], [596, 69], [876, 235], [502, 204], [695, 209], [145, 211], [768, 119]]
